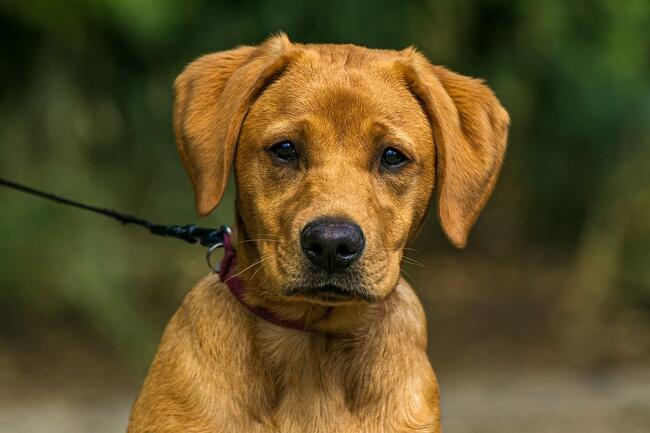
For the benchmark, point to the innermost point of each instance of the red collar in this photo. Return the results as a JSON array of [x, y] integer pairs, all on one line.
[[237, 289]]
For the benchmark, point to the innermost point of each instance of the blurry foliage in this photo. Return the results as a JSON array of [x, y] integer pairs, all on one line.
[[85, 111]]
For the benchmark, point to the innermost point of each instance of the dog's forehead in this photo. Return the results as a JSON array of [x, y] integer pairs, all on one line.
[[344, 65], [344, 83], [348, 55]]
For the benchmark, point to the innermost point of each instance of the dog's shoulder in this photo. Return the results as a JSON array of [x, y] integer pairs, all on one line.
[[210, 310], [405, 317], [202, 347]]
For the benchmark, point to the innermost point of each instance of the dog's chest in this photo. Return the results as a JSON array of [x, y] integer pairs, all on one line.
[[326, 385], [305, 369]]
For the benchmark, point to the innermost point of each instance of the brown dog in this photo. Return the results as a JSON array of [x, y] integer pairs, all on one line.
[[336, 150]]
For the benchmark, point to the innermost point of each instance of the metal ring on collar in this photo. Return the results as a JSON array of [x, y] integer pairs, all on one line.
[[208, 257]]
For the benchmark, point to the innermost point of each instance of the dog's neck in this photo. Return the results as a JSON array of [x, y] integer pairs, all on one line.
[[339, 319]]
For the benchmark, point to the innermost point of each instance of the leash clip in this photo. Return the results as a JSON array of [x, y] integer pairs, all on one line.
[[216, 268]]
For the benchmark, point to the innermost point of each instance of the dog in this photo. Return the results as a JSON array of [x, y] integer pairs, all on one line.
[[337, 151]]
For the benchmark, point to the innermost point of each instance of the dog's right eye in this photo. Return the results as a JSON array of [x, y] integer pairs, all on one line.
[[284, 151]]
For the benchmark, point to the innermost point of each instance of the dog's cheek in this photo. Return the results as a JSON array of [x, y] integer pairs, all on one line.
[[382, 274], [278, 210], [389, 219], [423, 194], [396, 222], [379, 266], [255, 192]]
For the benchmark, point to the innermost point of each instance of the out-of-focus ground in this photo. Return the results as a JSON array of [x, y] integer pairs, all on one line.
[[548, 401], [487, 399]]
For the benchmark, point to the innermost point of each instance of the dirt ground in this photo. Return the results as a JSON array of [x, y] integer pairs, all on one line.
[[486, 401], [547, 402]]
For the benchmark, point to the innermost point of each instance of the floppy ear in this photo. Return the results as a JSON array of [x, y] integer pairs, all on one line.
[[470, 132], [212, 97]]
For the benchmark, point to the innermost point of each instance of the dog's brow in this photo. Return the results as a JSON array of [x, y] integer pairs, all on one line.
[[280, 128], [392, 132]]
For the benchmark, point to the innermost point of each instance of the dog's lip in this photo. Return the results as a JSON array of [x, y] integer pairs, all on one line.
[[329, 293]]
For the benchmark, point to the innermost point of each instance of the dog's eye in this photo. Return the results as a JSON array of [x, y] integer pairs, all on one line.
[[392, 158], [284, 151]]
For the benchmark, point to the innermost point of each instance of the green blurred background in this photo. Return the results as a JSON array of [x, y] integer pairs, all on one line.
[[556, 276]]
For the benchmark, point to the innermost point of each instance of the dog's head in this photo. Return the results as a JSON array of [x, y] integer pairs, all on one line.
[[336, 150]]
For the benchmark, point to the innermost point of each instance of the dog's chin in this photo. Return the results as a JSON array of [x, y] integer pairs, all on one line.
[[329, 294]]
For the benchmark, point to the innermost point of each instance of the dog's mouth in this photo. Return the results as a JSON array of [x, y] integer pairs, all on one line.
[[330, 294]]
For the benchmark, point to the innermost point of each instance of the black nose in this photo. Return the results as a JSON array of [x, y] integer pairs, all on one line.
[[332, 244]]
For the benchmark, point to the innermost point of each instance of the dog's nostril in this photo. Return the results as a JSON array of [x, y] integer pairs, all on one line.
[[315, 249], [332, 244], [343, 251]]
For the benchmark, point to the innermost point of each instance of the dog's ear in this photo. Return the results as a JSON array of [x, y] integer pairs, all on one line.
[[470, 130], [212, 97]]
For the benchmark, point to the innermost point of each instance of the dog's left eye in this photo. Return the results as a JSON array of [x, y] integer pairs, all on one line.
[[392, 157], [285, 151]]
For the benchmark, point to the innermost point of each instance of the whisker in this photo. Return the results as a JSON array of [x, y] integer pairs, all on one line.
[[398, 249], [269, 236], [259, 286], [256, 271], [245, 269], [256, 240], [406, 274], [266, 276], [410, 261]]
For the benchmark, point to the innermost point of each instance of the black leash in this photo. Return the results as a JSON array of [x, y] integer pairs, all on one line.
[[208, 237]]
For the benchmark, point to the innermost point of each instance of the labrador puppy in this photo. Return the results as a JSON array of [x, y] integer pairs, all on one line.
[[337, 151]]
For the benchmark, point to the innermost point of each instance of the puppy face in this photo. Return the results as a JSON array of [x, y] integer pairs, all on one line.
[[336, 151], [334, 169]]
